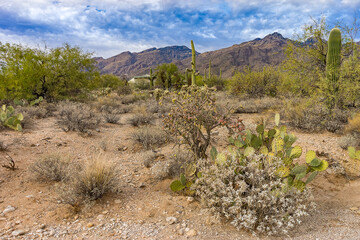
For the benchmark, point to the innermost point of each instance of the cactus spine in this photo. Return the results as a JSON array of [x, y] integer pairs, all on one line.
[[333, 59], [193, 64]]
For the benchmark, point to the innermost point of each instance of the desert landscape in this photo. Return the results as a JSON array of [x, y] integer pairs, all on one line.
[[257, 140]]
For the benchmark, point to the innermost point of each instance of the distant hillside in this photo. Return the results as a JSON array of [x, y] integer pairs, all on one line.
[[256, 53], [140, 63]]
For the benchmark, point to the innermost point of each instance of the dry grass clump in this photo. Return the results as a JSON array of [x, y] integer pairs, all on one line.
[[150, 137], [95, 179], [52, 167], [314, 116], [124, 90], [354, 124], [129, 99], [250, 197], [140, 117], [77, 117]]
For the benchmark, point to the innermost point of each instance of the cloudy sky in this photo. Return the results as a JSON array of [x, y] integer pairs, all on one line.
[[108, 27]]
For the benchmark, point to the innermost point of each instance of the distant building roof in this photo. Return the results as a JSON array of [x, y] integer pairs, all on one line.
[[142, 76]]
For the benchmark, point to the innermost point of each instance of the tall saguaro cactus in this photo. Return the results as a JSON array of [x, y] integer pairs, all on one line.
[[193, 64], [333, 60], [152, 77], [209, 70]]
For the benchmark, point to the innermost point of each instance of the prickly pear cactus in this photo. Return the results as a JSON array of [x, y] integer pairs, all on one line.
[[9, 119], [278, 143]]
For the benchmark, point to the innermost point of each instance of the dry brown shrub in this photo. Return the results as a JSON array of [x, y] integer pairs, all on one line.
[[150, 137]]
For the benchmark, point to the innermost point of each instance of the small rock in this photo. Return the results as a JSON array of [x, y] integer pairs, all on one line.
[[42, 226], [105, 212], [18, 232], [190, 199], [180, 232], [171, 220], [354, 208], [89, 225], [142, 185], [191, 233], [2, 219], [117, 201], [29, 196], [100, 217], [9, 209]]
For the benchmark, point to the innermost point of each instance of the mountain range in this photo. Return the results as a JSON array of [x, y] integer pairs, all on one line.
[[256, 54]]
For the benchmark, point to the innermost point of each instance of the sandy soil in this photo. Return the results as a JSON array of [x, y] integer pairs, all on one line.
[[143, 208]]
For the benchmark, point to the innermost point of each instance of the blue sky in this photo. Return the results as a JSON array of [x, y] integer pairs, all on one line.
[[108, 27]]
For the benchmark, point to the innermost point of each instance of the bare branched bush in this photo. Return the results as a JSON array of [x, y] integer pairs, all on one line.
[[77, 117], [129, 99], [150, 137], [312, 116], [52, 167], [111, 114], [173, 166], [140, 117], [250, 197]]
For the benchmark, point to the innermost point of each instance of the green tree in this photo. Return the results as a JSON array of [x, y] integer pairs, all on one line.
[[168, 76], [29, 73]]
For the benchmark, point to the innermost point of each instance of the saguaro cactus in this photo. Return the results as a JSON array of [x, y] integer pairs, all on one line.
[[333, 59], [193, 64], [152, 77], [209, 70]]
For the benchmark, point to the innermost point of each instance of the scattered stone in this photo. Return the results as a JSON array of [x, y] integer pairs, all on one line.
[[89, 225], [105, 212], [191, 233], [29, 196], [171, 220], [354, 208], [117, 201], [2, 219], [9, 209], [142, 185], [18, 232], [42, 226], [180, 231], [190, 199]]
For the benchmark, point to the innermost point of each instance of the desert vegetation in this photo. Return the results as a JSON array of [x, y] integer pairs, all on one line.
[[225, 144]]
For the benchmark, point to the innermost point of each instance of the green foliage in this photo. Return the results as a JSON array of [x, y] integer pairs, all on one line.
[[353, 153], [108, 82], [9, 119], [168, 76], [256, 83], [36, 101], [28, 73], [277, 143]]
